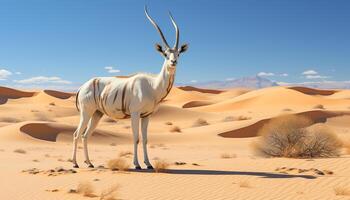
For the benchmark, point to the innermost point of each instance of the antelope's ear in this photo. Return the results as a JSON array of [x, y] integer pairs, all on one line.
[[183, 48], [159, 48]]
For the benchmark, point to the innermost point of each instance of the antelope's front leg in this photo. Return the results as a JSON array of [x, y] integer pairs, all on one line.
[[144, 126], [135, 120]]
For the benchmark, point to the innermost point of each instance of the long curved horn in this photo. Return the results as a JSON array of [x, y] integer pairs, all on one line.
[[157, 27], [177, 31]]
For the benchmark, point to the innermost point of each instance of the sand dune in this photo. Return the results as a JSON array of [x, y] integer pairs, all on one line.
[[58, 94], [312, 91], [36, 131], [252, 130], [210, 91]]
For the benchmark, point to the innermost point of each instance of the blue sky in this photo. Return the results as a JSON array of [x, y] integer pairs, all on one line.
[[67, 42]]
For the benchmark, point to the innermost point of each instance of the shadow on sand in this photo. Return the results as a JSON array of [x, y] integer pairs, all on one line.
[[217, 172]]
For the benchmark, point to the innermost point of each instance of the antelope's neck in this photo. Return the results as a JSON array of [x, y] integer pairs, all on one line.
[[163, 83]]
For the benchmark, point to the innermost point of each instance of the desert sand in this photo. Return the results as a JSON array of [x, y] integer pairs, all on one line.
[[214, 160]]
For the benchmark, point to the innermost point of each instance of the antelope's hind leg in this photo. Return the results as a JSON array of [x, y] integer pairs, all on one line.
[[84, 120], [90, 129]]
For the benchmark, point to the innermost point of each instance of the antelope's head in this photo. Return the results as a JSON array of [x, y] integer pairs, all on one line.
[[171, 55]]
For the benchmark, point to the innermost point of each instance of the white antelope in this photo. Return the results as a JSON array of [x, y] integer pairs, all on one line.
[[136, 96]]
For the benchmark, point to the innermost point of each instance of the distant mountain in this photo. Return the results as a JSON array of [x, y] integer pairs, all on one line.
[[245, 82]]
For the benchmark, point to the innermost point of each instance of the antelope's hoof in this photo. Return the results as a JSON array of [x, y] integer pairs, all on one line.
[[150, 167], [75, 166], [138, 168]]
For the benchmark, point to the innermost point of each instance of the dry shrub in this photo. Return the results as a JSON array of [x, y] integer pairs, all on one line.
[[109, 120], [175, 129], [9, 120], [319, 106], [52, 104], [125, 153], [227, 155], [118, 164], [342, 191], [160, 165], [287, 110], [200, 122], [244, 184], [86, 189], [168, 123], [20, 151], [241, 117], [110, 193], [287, 136], [229, 119], [346, 145]]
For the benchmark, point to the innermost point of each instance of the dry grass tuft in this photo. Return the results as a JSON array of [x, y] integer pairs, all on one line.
[[241, 117], [319, 106], [229, 119], [52, 104], [200, 122], [175, 129], [160, 165], [10, 120], [86, 189], [227, 155], [20, 151], [287, 110], [343, 191], [244, 184], [125, 153], [110, 193], [168, 123], [287, 136], [118, 164]]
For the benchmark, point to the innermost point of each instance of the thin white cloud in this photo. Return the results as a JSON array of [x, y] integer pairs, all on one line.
[[316, 77], [230, 79], [310, 72], [43, 80], [110, 69], [194, 81], [18, 73], [266, 74], [284, 74], [4, 74]]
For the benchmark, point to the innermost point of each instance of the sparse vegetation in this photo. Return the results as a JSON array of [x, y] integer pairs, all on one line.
[[125, 153], [160, 166], [232, 118], [319, 106], [241, 117], [22, 151], [227, 155], [9, 120], [168, 123], [110, 193], [200, 122], [175, 129], [287, 136], [287, 110], [118, 164], [86, 189], [342, 191], [244, 184], [229, 119], [52, 104]]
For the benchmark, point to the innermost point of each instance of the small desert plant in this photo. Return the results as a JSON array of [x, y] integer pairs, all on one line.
[[229, 119], [9, 120], [241, 117], [287, 110], [118, 164], [110, 193], [168, 123], [160, 166], [227, 156], [86, 189], [52, 104], [244, 184], [342, 191], [175, 129], [20, 151], [319, 106], [200, 122], [287, 136], [109, 120], [125, 153]]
